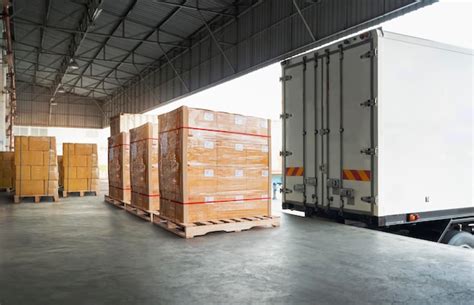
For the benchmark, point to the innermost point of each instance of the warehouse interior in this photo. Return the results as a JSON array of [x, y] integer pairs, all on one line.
[[99, 90]]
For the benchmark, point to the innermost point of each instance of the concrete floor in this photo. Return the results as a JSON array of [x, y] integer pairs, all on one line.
[[83, 251]]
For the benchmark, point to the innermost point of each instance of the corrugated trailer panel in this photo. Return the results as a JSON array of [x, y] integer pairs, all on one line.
[[375, 124]]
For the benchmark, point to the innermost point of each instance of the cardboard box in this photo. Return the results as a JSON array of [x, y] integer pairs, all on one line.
[[7, 169], [30, 188], [119, 167], [144, 180], [36, 171], [213, 165], [126, 121], [79, 167]]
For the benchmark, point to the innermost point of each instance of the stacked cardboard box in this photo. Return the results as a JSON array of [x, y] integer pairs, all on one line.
[[36, 167], [213, 165], [80, 170], [144, 167], [61, 173], [7, 170], [119, 167], [126, 121]]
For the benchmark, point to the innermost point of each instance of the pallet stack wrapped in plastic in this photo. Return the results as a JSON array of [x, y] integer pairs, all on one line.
[[144, 167], [80, 169], [213, 165], [126, 121], [119, 167], [7, 170], [36, 167]]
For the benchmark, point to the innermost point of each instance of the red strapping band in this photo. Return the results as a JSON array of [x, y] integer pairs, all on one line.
[[147, 195], [217, 201], [217, 130]]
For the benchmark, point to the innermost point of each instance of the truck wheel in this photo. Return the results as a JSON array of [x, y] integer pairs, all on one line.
[[459, 239]]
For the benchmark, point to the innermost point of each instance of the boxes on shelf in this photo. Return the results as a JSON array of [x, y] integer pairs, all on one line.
[[119, 167], [7, 170], [80, 169], [213, 165], [36, 167], [144, 167], [126, 121]]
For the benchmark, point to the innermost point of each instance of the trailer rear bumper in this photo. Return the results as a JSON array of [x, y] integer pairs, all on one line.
[[382, 221]]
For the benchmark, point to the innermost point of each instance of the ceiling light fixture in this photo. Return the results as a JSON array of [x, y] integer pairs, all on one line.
[[61, 88], [73, 64]]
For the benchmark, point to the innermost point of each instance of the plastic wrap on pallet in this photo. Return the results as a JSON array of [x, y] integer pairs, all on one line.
[[36, 167], [126, 121], [119, 167], [7, 170], [144, 167], [213, 165], [80, 168]]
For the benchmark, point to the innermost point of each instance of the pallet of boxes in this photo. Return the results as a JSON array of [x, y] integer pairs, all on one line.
[[214, 172], [119, 156], [80, 169], [36, 168], [145, 196], [7, 171]]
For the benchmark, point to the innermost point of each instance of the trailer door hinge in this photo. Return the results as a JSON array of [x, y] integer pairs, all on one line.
[[285, 190], [285, 78], [369, 151], [369, 54], [285, 115], [369, 103], [368, 199], [285, 153], [324, 131]]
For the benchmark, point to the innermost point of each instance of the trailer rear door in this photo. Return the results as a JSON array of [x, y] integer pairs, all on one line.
[[329, 149]]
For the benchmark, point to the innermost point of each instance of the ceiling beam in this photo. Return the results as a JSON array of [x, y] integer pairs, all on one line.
[[47, 8], [199, 9], [117, 25], [156, 28], [88, 17], [43, 27]]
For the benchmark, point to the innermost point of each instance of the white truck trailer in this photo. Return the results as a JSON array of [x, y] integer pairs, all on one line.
[[379, 128]]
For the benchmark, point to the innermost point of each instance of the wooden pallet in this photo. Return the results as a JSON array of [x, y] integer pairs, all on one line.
[[65, 194], [37, 198], [142, 213], [118, 203], [190, 230]]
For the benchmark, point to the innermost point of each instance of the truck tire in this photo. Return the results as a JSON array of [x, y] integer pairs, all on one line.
[[459, 239]]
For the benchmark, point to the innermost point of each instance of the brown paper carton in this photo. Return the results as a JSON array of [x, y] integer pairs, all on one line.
[[36, 170], [7, 169], [213, 165], [144, 180], [126, 121], [79, 167], [119, 167]]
